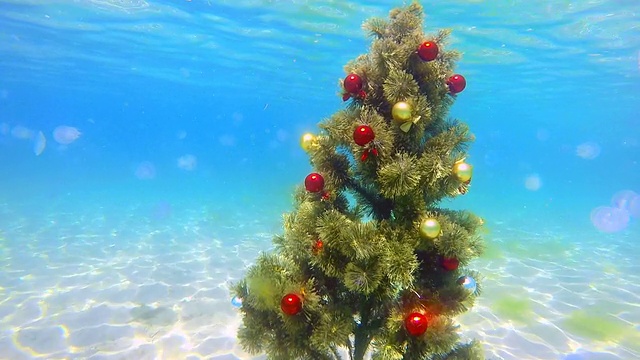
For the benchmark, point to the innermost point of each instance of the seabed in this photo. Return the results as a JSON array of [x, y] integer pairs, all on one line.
[[148, 284]]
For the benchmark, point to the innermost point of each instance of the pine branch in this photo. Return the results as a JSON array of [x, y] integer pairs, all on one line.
[[362, 337], [381, 207], [375, 27]]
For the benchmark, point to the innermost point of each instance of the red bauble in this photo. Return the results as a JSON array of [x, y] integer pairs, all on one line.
[[317, 247], [352, 83], [428, 50], [291, 304], [314, 182], [363, 135], [456, 83], [416, 324], [450, 264]]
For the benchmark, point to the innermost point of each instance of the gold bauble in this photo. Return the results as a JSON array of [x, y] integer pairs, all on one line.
[[462, 171], [308, 141], [430, 228], [401, 112]]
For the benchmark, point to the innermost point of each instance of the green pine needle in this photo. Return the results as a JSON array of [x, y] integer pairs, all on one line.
[[361, 280], [399, 86], [375, 27], [399, 178]]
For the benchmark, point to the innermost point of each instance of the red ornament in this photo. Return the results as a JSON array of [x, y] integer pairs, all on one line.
[[363, 135], [428, 51], [456, 83], [416, 324], [291, 304], [352, 83], [317, 247], [365, 154], [353, 86], [314, 182], [450, 264]]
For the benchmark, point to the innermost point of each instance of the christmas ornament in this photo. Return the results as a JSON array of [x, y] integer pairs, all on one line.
[[450, 264], [456, 83], [308, 141], [428, 51], [363, 135], [468, 283], [430, 228], [236, 301], [317, 247], [416, 324], [462, 171], [365, 154], [401, 112], [353, 84], [291, 304], [314, 182]]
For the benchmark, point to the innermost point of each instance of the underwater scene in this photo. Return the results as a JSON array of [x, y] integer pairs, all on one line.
[[150, 149]]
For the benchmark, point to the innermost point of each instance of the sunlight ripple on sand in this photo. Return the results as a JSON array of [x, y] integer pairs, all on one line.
[[161, 290]]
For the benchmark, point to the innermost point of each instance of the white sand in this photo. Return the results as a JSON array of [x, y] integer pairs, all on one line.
[[129, 287]]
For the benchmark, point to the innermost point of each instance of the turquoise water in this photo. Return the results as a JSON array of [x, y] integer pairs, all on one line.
[[180, 149]]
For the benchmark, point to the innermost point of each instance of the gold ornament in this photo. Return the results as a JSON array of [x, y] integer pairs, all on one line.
[[430, 228], [462, 171], [401, 112], [406, 126], [308, 141]]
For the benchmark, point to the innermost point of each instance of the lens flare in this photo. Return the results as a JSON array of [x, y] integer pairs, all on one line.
[[609, 219], [533, 182]]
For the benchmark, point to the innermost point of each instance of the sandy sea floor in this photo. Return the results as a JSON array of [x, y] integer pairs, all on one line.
[[152, 283]]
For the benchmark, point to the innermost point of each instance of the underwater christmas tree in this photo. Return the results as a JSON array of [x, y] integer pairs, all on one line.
[[368, 264]]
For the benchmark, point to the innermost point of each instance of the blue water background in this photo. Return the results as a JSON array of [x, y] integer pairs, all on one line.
[[244, 79], [236, 83]]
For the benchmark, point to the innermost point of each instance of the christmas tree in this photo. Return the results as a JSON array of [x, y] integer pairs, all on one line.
[[368, 263]]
